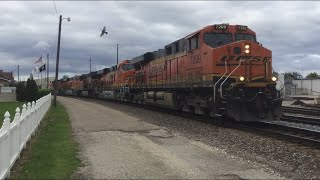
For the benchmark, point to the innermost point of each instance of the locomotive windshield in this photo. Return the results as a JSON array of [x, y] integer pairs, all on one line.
[[127, 67], [239, 37], [217, 39]]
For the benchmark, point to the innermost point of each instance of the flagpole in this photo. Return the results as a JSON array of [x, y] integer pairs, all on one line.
[[47, 70], [40, 76]]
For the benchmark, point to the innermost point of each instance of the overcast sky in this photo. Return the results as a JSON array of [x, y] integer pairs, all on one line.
[[29, 29]]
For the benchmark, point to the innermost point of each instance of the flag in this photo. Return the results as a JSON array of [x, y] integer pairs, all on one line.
[[35, 69], [42, 68], [40, 60]]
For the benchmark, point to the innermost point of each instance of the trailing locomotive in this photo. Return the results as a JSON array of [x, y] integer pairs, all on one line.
[[220, 71]]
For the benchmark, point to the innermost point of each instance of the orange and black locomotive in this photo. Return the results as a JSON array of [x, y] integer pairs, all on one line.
[[220, 71]]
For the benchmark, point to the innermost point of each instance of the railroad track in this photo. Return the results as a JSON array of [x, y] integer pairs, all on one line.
[[301, 119], [306, 111], [300, 135]]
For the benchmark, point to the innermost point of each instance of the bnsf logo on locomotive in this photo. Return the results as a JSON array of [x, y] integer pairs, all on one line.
[[251, 58], [157, 69]]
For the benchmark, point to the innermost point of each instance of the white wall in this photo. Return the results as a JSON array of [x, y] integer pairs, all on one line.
[[7, 89], [306, 87]]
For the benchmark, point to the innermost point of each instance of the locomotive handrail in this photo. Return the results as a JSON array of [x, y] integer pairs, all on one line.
[[229, 76], [214, 87]]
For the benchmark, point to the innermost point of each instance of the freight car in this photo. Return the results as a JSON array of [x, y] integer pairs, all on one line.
[[220, 71]]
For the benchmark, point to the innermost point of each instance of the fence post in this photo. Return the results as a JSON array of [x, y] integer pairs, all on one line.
[[29, 121], [23, 127], [18, 119], [33, 119], [6, 128], [36, 111], [15, 137]]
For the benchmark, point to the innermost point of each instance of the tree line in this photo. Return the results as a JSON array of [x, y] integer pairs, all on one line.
[[298, 76], [29, 91]]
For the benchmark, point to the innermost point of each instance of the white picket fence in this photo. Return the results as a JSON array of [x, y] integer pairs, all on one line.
[[15, 135]]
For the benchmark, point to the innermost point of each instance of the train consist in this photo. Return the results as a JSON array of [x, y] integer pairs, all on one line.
[[220, 71]]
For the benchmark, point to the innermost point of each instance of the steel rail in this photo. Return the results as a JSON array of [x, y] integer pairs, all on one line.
[[301, 135], [307, 111], [300, 119]]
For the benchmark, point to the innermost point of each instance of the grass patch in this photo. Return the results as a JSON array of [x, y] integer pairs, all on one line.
[[11, 107], [52, 153]]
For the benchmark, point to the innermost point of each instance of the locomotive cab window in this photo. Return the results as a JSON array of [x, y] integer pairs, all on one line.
[[127, 67], [217, 39], [194, 42], [250, 37]]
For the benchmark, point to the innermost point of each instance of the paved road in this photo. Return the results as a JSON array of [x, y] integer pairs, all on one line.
[[115, 145]]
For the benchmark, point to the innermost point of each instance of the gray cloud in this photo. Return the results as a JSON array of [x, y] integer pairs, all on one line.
[[29, 29]]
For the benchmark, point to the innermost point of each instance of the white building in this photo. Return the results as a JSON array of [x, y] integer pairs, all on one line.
[[43, 82]]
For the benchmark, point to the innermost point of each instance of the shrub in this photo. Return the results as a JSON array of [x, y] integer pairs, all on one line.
[[21, 91], [43, 92], [31, 90]]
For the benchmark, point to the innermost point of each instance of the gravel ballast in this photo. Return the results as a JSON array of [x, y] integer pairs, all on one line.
[[290, 160]]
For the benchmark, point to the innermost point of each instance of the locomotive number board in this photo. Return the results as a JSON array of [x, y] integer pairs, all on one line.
[[242, 28], [220, 26]]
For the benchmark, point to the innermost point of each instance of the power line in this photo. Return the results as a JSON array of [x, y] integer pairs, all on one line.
[[55, 7]]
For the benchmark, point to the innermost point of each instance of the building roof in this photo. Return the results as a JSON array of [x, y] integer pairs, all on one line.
[[6, 75]]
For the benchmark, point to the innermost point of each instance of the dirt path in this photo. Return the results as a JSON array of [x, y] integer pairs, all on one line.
[[114, 145]]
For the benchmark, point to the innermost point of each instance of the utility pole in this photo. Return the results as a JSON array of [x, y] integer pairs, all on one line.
[[57, 65], [90, 64], [117, 54], [47, 70], [57, 62], [18, 73], [40, 75]]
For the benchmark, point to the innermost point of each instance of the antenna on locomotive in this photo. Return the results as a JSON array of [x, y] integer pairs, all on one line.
[[103, 31]]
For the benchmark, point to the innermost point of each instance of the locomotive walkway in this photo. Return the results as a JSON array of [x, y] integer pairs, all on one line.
[[114, 145]]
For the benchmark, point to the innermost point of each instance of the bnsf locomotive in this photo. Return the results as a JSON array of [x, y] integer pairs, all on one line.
[[219, 71]]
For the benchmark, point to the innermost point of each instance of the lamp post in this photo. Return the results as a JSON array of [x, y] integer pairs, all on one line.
[[90, 64], [57, 62], [117, 54], [18, 73]]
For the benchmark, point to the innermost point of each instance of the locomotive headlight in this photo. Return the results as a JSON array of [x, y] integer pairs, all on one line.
[[241, 78], [247, 51], [247, 46], [274, 78]]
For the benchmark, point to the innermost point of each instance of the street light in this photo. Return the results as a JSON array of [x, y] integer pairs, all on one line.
[[57, 61]]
